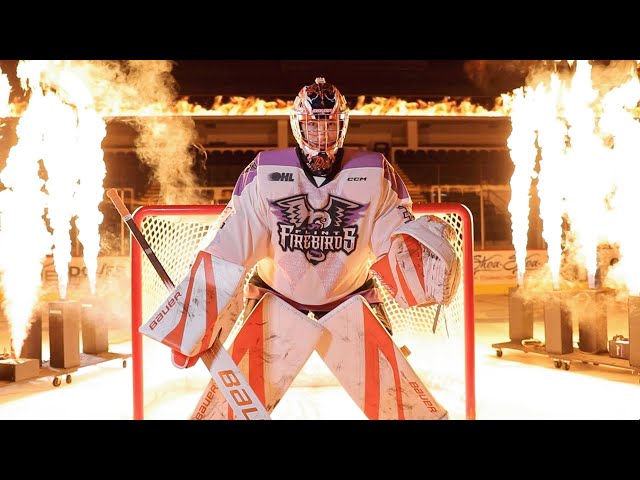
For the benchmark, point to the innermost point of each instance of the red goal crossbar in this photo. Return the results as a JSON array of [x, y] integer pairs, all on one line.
[[200, 210]]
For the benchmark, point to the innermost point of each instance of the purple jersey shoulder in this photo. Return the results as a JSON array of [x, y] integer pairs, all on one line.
[[281, 157], [362, 159], [284, 157]]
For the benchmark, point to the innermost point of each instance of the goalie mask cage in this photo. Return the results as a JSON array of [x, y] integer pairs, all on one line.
[[442, 351]]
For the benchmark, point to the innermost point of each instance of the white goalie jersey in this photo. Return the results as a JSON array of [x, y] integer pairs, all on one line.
[[312, 244]]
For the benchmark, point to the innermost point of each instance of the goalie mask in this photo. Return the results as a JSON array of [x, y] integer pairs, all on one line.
[[319, 119]]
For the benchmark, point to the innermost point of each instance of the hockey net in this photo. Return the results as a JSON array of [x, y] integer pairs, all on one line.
[[441, 341]]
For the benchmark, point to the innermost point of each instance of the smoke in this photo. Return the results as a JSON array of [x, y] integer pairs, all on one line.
[[494, 77], [503, 76], [164, 142], [605, 74], [612, 74], [62, 126], [143, 89]]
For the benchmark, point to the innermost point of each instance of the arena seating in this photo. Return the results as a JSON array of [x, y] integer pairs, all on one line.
[[455, 167], [125, 170]]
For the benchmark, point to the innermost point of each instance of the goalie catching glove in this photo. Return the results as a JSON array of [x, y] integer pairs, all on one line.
[[422, 267]]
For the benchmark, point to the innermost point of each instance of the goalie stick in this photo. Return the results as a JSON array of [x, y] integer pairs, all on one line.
[[224, 372]]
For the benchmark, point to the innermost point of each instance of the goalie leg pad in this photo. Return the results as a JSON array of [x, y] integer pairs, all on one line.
[[270, 349], [204, 306], [371, 368]]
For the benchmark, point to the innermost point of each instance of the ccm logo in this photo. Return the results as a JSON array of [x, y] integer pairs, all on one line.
[[357, 179], [172, 301], [424, 397]]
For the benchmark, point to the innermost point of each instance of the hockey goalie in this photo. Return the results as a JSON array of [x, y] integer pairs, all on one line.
[[298, 255]]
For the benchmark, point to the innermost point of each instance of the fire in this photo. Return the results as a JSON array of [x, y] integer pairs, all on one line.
[[395, 106], [575, 133], [521, 143], [552, 132], [584, 128], [619, 121], [236, 106], [60, 132], [24, 237], [5, 91], [54, 173]]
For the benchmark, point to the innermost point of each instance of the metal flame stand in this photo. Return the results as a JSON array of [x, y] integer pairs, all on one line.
[[593, 346], [64, 320]]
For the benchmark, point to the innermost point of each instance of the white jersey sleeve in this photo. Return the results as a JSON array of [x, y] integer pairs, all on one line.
[[394, 210], [241, 235]]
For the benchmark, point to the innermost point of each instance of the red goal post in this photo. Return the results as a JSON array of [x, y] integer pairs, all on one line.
[[175, 231]]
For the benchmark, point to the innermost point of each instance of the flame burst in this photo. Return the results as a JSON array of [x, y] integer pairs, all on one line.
[[56, 170], [5, 91], [59, 131], [521, 143], [618, 120], [587, 135], [552, 132], [583, 128], [130, 106], [24, 238]]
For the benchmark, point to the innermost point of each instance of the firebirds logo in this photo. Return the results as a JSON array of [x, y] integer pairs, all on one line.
[[317, 232]]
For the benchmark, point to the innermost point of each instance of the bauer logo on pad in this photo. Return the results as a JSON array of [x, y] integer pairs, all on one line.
[[189, 319]]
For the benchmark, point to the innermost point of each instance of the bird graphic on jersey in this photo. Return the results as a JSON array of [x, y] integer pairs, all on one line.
[[317, 231]]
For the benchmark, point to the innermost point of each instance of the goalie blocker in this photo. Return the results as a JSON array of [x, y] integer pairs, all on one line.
[[422, 267], [201, 310]]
